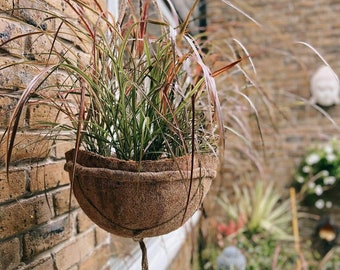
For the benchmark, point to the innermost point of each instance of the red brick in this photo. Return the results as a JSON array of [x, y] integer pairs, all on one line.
[[79, 38], [47, 236], [92, 4], [57, 5], [9, 29], [61, 147], [41, 48], [73, 252], [10, 254], [68, 49], [6, 5], [7, 105], [14, 75], [102, 236], [28, 146], [14, 186], [68, 11], [83, 222], [24, 214], [72, 34], [93, 18], [98, 258], [48, 176], [44, 263], [41, 115], [35, 13], [61, 200], [61, 5]]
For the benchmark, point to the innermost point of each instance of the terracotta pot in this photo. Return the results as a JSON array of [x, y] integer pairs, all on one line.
[[138, 200]]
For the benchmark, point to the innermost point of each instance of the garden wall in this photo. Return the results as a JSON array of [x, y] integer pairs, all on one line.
[[284, 66], [37, 230]]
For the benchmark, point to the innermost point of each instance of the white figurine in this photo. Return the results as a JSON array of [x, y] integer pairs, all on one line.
[[231, 259], [325, 87]]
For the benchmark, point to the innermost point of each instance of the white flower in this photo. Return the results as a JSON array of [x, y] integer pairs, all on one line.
[[300, 179], [329, 180], [328, 149], [320, 204], [311, 185], [318, 190], [330, 157], [325, 173], [329, 204], [312, 159], [306, 169]]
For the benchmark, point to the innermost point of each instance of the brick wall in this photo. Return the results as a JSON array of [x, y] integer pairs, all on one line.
[[283, 70], [39, 229]]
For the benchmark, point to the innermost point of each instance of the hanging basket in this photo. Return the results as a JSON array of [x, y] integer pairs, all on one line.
[[139, 199]]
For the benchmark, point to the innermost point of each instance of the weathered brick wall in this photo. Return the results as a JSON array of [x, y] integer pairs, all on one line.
[[283, 70], [38, 228]]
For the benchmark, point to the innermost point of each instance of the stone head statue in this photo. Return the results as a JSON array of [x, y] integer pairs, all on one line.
[[325, 87], [231, 258]]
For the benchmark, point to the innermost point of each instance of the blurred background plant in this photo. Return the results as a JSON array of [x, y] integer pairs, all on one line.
[[257, 219], [258, 209], [318, 175]]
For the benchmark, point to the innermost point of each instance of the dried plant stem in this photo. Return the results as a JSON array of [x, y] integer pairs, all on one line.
[[300, 261], [327, 257], [276, 255]]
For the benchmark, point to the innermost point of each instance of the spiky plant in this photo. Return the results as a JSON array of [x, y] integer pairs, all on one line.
[[262, 209], [137, 90]]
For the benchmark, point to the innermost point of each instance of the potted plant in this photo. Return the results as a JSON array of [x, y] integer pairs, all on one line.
[[142, 109]]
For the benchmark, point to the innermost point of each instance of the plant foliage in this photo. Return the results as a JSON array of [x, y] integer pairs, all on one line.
[[318, 175], [262, 210], [139, 89]]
